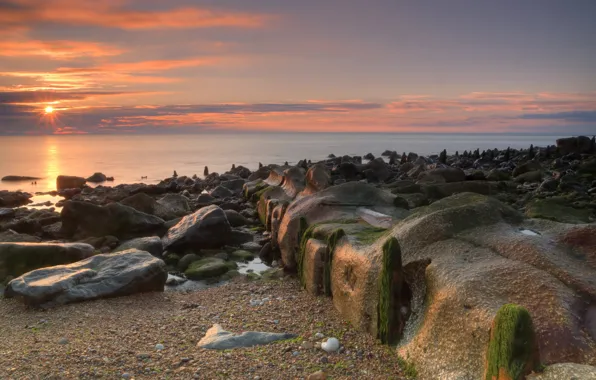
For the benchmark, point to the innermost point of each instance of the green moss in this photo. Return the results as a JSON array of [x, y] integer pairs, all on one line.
[[388, 312], [409, 369], [304, 234], [557, 209], [332, 241], [512, 347], [207, 268], [260, 190], [369, 235], [242, 255]]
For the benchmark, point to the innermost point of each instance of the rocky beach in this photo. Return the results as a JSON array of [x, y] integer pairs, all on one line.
[[463, 265]]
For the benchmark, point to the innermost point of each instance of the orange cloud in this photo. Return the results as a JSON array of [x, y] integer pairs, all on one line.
[[113, 14], [57, 49], [145, 66]]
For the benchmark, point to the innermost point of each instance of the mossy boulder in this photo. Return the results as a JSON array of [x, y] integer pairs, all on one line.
[[186, 260], [513, 350], [171, 259], [207, 268], [242, 255], [557, 209]]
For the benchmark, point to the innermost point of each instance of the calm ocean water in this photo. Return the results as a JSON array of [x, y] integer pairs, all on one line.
[[129, 157]]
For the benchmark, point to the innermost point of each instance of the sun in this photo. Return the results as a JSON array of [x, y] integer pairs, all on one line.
[[49, 109]]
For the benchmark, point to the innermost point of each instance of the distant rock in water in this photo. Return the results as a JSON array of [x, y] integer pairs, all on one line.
[[69, 182], [16, 178], [97, 178]]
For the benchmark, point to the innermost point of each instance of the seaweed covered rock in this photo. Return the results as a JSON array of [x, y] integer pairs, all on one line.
[[100, 276], [513, 350], [19, 258], [207, 268]]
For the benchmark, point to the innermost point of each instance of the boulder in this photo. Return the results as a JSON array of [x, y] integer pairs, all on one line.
[[114, 219], [529, 166], [317, 179], [448, 174], [69, 182], [378, 170], [234, 185], [217, 338], [140, 202], [97, 178], [205, 199], [19, 258], [498, 175], [10, 236], [347, 170], [221, 192], [150, 244], [207, 268], [580, 144], [172, 206], [235, 219], [535, 176], [14, 198], [557, 209], [206, 228], [186, 260], [100, 276], [6, 213]]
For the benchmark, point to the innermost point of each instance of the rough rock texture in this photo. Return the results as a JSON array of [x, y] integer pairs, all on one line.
[[206, 228], [97, 178], [14, 198], [69, 182], [19, 258], [100, 276], [565, 371], [235, 219], [460, 260], [216, 338], [151, 244], [173, 206], [114, 219]]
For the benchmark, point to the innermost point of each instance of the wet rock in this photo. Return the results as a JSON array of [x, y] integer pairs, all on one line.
[[172, 206], [207, 268], [235, 185], [217, 338], [206, 228], [69, 182], [221, 192], [14, 198], [150, 244], [97, 178], [100, 276], [186, 260], [19, 258]]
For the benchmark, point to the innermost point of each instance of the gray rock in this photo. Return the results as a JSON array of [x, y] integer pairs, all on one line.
[[186, 260], [205, 199], [100, 276], [69, 182], [173, 206], [6, 213], [11, 236], [114, 219], [17, 178], [448, 174], [150, 244], [235, 219], [19, 258], [234, 185], [221, 192], [217, 338], [206, 228]]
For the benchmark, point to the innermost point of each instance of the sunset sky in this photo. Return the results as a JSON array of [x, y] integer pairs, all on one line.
[[182, 66]]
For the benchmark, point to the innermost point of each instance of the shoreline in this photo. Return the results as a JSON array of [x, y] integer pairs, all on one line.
[[393, 213]]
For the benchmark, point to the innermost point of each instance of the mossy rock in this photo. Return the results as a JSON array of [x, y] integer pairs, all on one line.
[[186, 260], [171, 259], [242, 255], [389, 324], [512, 350], [272, 274], [252, 276], [207, 268], [557, 209], [230, 275]]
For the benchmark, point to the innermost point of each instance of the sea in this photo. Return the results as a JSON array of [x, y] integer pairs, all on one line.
[[130, 158]]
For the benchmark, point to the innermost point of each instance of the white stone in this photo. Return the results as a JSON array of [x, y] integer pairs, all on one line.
[[331, 345]]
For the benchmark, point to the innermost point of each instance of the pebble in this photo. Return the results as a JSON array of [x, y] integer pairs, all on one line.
[[63, 341], [324, 360], [319, 336], [126, 375], [331, 345], [295, 353], [159, 347], [319, 375]]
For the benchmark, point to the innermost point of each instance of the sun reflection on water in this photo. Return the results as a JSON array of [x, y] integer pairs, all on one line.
[[52, 164]]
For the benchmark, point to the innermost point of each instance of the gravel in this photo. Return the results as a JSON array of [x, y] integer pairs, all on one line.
[[154, 336]]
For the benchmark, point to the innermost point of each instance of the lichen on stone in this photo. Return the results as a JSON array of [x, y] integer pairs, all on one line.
[[388, 312]]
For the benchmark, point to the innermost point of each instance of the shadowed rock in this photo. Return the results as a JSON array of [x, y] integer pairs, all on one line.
[[114, 219], [69, 182], [19, 258], [17, 178], [97, 178], [217, 338], [150, 244], [100, 276]]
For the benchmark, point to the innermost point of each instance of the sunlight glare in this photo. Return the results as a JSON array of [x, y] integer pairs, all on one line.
[[49, 109]]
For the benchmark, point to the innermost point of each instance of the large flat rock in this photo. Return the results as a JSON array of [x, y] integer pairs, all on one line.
[[100, 276]]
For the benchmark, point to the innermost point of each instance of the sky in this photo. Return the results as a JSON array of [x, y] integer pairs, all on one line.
[[182, 66]]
